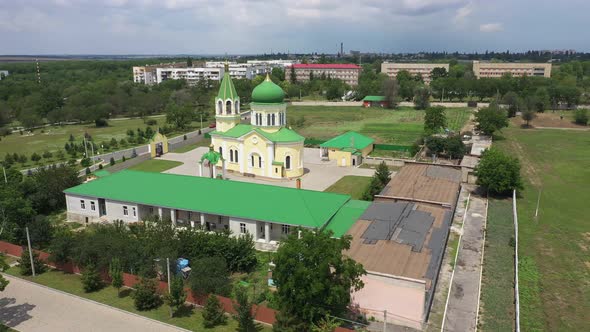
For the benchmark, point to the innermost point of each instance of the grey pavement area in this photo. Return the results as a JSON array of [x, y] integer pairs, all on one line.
[[28, 307], [319, 175], [464, 296]]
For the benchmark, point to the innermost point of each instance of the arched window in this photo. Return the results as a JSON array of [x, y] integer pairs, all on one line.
[[219, 107], [236, 156], [288, 162], [228, 107], [268, 119], [221, 151], [252, 160], [273, 119], [231, 155], [260, 161]]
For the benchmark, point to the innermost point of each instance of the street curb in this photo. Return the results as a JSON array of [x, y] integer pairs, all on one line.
[[95, 302]]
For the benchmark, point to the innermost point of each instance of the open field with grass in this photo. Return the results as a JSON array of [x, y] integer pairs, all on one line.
[[497, 291], [188, 318], [555, 247], [400, 126], [155, 165], [351, 185]]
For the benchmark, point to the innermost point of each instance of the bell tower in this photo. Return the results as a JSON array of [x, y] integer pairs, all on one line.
[[227, 104]]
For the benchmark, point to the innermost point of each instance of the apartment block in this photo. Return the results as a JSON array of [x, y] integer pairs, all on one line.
[[391, 69], [497, 69], [348, 73]]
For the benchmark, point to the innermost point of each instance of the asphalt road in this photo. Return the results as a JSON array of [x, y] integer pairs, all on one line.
[[29, 307]]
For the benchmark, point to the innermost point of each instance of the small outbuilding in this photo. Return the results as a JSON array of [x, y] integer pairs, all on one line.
[[347, 149], [374, 101], [158, 145]]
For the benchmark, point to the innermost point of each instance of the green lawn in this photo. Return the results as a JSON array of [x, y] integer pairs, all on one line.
[[497, 296], [351, 185], [555, 247], [155, 165], [400, 126], [189, 147], [189, 319]]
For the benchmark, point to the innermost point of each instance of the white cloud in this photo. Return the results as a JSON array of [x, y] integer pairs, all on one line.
[[491, 27], [462, 13]]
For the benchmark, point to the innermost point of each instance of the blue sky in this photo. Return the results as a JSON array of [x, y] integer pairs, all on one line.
[[262, 26]]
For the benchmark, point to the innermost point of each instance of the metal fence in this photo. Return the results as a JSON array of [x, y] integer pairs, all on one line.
[[516, 296]]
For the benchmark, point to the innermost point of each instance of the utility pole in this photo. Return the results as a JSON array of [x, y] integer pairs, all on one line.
[[85, 147], [384, 320], [30, 251], [168, 270], [201, 121], [4, 170]]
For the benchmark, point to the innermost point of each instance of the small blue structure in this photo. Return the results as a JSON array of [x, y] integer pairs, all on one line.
[[181, 263]]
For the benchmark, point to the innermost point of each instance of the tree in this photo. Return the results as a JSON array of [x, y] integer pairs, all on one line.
[[209, 275], [179, 116], [35, 157], [25, 263], [434, 120], [421, 98], [326, 324], [146, 296], [438, 72], [435, 144], [243, 308], [112, 161], [177, 295], [292, 77], [541, 100], [47, 155], [511, 100], [581, 116], [61, 246], [3, 267], [491, 119], [454, 147], [189, 62], [390, 90], [313, 278], [213, 313], [528, 115], [374, 188], [91, 280], [382, 173], [497, 172], [116, 274]]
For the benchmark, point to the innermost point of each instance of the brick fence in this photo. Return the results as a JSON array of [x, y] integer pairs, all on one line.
[[262, 314]]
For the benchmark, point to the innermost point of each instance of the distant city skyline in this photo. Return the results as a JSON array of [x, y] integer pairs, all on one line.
[[296, 26]]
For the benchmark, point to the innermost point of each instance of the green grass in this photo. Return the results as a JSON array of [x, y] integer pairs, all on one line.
[[555, 247], [453, 243], [189, 147], [189, 319], [155, 165], [401, 126], [497, 296], [352, 185]]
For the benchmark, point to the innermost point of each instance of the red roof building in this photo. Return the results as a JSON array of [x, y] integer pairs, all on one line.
[[347, 72]]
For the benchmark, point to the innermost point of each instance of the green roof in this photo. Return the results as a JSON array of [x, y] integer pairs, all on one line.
[[282, 135], [347, 216], [227, 89], [298, 207], [374, 98], [350, 139], [268, 92]]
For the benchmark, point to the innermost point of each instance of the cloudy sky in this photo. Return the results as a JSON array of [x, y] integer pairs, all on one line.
[[259, 26]]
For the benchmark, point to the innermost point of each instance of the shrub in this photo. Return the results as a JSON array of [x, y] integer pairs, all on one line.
[[91, 280], [133, 153], [85, 162], [581, 117], [146, 296], [184, 137], [123, 142], [101, 123], [99, 166], [199, 132], [25, 263], [35, 157], [112, 161], [22, 159], [151, 122], [87, 171], [213, 313], [123, 159], [113, 142], [177, 295], [210, 275], [116, 274]]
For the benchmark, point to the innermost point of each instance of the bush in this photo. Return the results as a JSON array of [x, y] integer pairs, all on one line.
[[99, 166], [87, 171], [209, 275], [25, 263], [184, 137], [101, 123], [497, 172], [199, 131], [151, 122], [146, 296], [177, 295], [85, 162], [91, 280], [35, 157], [112, 161], [213, 313], [123, 159], [116, 274], [581, 117]]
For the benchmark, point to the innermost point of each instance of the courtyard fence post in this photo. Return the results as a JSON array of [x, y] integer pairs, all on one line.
[[30, 251]]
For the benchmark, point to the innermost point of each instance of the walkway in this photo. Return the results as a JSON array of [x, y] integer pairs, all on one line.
[[463, 300], [28, 307]]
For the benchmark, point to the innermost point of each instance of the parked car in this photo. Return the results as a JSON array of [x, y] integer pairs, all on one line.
[[212, 125]]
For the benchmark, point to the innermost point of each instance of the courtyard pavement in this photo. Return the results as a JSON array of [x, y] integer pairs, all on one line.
[[28, 307], [319, 175]]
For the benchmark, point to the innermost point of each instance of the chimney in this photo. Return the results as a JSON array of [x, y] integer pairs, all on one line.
[[341, 49], [298, 182]]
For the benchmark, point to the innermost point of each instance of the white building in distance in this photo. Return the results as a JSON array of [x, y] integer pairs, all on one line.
[[391, 69]]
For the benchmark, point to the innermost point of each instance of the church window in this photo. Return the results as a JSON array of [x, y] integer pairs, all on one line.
[[252, 160], [259, 161], [268, 119], [236, 156], [221, 151], [219, 107], [288, 162], [273, 119], [228, 107], [231, 155]]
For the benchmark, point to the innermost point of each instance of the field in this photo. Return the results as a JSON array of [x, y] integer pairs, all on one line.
[[555, 247], [351, 185], [155, 165], [401, 126], [189, 318], [497, 295]]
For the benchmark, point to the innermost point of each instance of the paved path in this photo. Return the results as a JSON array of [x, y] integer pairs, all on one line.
[[464, 297], [28, 307], [319, 174]]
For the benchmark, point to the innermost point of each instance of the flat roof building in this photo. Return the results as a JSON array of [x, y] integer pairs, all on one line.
[[348, 73], [498, 69], [391, 69]]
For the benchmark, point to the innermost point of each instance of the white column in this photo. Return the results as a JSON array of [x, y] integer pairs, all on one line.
[[214, 171], [241, 157], [160, 213], [202, 220], [192, 224], [270, 151], [266, 232], [173, 216], [200, 169]]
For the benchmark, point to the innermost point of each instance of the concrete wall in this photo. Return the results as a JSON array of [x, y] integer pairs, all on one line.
[[251, 226], [115, 211], [75, 211], [388, 161]]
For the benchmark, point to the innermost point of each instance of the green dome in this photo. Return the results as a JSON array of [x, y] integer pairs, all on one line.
[[268, 93]]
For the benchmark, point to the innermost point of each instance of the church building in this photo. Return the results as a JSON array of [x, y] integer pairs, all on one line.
[[266, 147]]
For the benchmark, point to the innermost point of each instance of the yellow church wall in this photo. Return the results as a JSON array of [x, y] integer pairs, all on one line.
[[225, 124], [296, 153], [339, 156], [255, 145]]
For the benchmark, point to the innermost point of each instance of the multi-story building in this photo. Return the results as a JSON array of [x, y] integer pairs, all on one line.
[[422, 69], [147, 74], [274, 63], [241, 70], [498, 69], [3, 73], [191, 74], [348, 73]]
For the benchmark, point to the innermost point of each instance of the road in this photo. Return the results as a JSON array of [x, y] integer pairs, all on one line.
[[29, 307]]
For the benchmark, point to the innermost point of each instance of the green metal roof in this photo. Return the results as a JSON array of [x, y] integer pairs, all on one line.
[[278, 163], [282, 135], [297, 207], [347, 216], [227, 89], [350, 139], [374, 98], [268, 92]]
